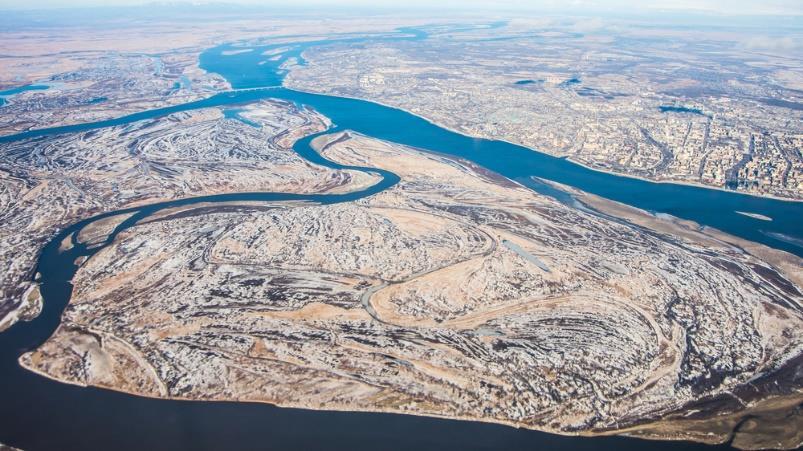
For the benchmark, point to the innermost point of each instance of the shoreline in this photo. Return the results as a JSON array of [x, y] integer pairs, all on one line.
[[385, 399], [464, 134], [625, 432], [570, 159], [636, 431], [337, 405]]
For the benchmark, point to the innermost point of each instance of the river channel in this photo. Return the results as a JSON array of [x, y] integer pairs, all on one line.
[[37, 413]]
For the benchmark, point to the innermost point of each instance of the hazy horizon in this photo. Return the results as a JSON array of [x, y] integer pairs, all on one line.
[[704, 7]]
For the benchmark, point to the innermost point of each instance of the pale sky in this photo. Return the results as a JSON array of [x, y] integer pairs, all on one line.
[[727, 7]]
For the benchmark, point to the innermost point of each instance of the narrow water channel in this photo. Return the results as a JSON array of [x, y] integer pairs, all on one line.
[[37, 413]]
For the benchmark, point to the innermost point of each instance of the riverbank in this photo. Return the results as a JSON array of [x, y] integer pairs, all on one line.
[[568, 158], [451, 219]]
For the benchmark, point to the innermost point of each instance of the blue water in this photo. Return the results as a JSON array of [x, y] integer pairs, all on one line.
[[12, 91], [183, 83], [40, 414], [679, 109], [708, 207], [255, 70], [37, 413]]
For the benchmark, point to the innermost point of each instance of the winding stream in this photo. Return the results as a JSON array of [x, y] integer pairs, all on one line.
[[37, 413]]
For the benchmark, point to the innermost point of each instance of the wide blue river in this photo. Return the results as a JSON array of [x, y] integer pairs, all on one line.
[[254, 78], [36, 413]]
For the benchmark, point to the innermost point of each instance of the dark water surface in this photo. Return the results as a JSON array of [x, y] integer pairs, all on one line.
[[680, 109], [36, 413]]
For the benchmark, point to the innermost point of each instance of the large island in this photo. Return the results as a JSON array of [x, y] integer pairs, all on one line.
[[456, 293]]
